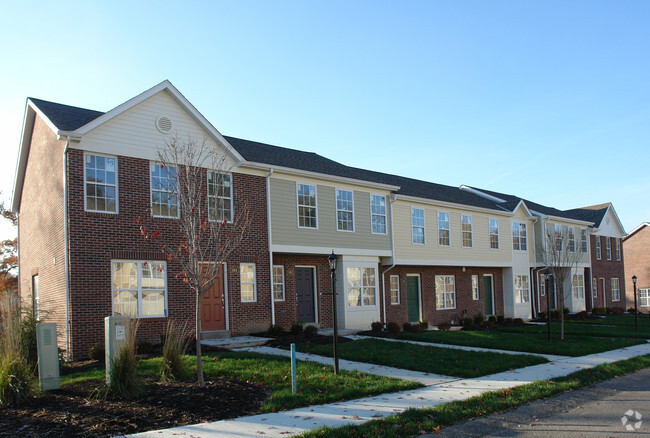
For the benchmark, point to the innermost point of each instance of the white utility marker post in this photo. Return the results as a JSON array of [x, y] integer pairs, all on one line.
[[117, 332]]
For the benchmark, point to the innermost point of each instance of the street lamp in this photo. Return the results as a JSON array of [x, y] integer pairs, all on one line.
[[636, 308], [548, 302], [333, 259]]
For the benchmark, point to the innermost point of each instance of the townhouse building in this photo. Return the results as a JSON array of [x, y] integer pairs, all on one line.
[[636, 250], [408, 250]]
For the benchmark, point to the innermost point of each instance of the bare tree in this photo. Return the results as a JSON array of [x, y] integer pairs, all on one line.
[[194, 181], [561, 253]]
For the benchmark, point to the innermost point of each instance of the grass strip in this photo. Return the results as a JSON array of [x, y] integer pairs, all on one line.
[[418, 421], [571, 329], [428, 359], [533, 342]]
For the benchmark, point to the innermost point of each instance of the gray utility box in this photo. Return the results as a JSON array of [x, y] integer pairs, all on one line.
[[48, 356], [117, 332]]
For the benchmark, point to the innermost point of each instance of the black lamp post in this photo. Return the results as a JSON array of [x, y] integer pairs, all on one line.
[[548, 302], [333, 259], [636, 308]]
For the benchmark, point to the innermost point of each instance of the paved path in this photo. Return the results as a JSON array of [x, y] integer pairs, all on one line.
[[358, 411]]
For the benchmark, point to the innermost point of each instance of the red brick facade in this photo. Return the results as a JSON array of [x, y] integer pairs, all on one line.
[[636, 249], [605, 269]]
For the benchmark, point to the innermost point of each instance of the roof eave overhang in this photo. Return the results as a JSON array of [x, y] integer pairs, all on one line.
[[440, 203], [564, 219]]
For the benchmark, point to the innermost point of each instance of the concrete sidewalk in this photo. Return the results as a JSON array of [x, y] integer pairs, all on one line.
[[359, 411]]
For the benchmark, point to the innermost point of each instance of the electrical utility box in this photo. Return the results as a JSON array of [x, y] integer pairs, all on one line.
[[116, 332], [48, 356]]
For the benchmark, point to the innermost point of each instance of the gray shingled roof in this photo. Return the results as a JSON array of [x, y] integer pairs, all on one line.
[[66, 117]]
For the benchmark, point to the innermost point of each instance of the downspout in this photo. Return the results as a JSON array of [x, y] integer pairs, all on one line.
[[268, 223], [66, 249], [391, 199]]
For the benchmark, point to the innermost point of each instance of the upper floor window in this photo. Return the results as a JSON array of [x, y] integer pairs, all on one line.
[[378, 214], [445, 292], [278, 283], [598, 249], [522, 290], [100, 176], [394, 289], [618, 249], [139, 288], [220, 196], [578, 286], [164, 199], [344, 210], [417, 226], [475, 287], [361, 287], [583, 240], [519, 240], [494, 234], [572, 239], [466, 228], [558, 237], [307, 209], [443, 228], [608, 246], [616, 291], [247, 281]]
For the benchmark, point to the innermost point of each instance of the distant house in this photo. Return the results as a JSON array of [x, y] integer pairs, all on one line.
[[636, 247]]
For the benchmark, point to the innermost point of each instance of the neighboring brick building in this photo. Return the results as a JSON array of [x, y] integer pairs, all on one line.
[[636, 248]]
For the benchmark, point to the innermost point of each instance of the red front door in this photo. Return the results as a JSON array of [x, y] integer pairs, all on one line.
[[213, 306]]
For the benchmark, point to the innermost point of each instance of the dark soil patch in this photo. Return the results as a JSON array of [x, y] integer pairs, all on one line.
[[288, 339], [73, 412]]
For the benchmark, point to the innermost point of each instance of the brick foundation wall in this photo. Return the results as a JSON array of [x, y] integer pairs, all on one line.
[[636, 250]]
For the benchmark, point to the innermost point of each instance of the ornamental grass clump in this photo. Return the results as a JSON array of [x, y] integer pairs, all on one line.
[[175, 343], [124, 381]]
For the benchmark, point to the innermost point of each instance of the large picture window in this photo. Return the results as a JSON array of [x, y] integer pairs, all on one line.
[[445, 292], [220, 196], [519, 238], [361, 287], [100, 175], [344, 210], [307, 210], [378, 214], [164, 199], [139, 288], [443, 228], [522, 289]]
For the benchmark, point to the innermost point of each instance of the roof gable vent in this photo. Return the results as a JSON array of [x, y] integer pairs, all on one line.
[[164, 125]]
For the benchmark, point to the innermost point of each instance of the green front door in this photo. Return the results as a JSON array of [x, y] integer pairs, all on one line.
[[489, 299], [413, 294]]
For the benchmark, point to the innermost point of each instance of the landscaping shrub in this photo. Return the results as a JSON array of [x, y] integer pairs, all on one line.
[[518, 322], [630, 310], [311, 331], [17, 382], [393, 328], [297, 328], [275, 330], [500, 319], [599, 311], [28, 334], [581, 315], [445, 326], [508, 322], [97, 351], [542, 315], [492, 318], [175, 340], [617, 310], [376, 326], [468, 322], [424, 326], [478, 319], [566, 310], [123, 369], [407, 327], [555, 315]]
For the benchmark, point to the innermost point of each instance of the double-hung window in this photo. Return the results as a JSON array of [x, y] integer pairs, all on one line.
[[443, 228], [361, 287], [344, 210], [445, 292], [475, 295], [164, 195], [247, 281], [494, 234], [466, 228], [618, 249], [616, 291], [599, 254], [100, 176], [578, 286], [378, 214], [417, 226], [220, 196], [594, 287], [307, 209], [278, 282], [583, 240], [394, 289], [608, 246], [558, 237], [644, 297], [572, 239], [522, 290], [519, 240], [139, 288]]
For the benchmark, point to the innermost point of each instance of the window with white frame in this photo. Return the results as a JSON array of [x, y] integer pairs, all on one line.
[[644, 297], [608, 247], [344, 210], [475, 295], [247, 281], [220, 196], [164, 183], [139, 288], [572, 239], [278, 282], [494, 234], [100, 176], [361, 287], [542, 285], [583, 240], [466, 229], [598, 250], [445, 292], [578, 286], [522, 289], [417, 226], [616, 291], [443, 228], [618, 249], [394, 289], [307, 210], [378, 214], [519, 238], [594, 287], [558, 237]]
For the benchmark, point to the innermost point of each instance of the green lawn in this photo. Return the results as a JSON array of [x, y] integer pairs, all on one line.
[[446, 361], [534, 341], [610, 327], [316, 383]]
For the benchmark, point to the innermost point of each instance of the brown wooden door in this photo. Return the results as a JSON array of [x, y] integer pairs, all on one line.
[[213, 306]]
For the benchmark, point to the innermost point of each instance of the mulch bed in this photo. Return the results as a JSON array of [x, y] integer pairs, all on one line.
[[72, 411]]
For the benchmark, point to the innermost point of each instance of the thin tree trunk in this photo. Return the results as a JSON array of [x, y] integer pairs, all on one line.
[[562, 315], [199, 358]]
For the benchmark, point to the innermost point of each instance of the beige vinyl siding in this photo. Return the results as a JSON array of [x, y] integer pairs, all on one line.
[[479, 253], [585, 259], [284, 219]]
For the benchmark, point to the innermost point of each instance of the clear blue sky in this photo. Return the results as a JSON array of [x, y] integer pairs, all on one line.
[[546, 100]]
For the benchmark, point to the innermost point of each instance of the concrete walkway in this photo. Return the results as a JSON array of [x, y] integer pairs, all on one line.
[[361, 410]]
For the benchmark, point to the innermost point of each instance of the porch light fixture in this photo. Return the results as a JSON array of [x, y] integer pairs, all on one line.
[[333, 260], [636, 308], [548, 302]]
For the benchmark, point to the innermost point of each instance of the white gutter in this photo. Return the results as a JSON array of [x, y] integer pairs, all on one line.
[[391, 199], [270, 240], [66, 249]]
